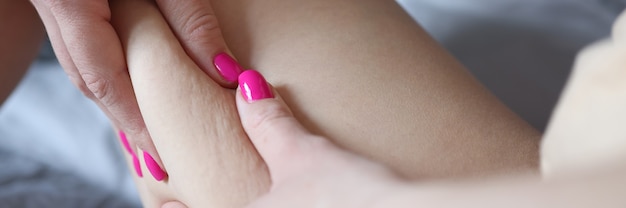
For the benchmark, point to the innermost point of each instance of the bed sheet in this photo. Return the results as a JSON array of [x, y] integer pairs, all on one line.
[[57, 149]]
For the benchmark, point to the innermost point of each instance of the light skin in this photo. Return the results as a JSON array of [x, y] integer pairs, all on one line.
[[583, 163], [366, 75], [415, 132], [310, 55], [90, 52], [184, 110], [211, 154], [308, 170]]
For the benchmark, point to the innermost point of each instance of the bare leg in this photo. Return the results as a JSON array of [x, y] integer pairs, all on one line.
[[191, 119], [362, 72], [394, 96], [21, 33]]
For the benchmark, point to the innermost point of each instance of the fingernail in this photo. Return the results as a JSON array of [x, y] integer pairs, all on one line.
[[137, 166], [153, 167], [253, 86], [125, 142], [227, 66]]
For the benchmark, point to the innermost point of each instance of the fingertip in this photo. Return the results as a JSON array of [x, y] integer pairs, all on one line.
[[222, 68], [228, 68], [125, 143], [267, 120], [254, 87], [141, 144], [137, 165], [153, 167]]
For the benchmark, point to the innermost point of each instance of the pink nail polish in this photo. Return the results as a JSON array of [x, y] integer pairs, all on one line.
[[125, 143], [153, 167], [227, 66], [137, 166], [253, 86]]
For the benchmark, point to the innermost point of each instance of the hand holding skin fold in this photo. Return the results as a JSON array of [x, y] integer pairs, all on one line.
[[90, 52]]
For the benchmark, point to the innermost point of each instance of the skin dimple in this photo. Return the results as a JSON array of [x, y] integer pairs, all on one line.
[[191, 119]]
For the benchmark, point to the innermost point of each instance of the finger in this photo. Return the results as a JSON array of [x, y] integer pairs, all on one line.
[[151, 196], [59, 48], [190, 117], [198, 30], [63, 56], [280, 139], [95, 51]]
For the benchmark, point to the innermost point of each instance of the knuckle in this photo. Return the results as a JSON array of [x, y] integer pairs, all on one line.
[[201, 25], [100, 87], [269, 118]]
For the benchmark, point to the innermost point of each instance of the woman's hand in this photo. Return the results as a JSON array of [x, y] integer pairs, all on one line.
[[583, 151], [192, 120], [90, 51], [306, 170]]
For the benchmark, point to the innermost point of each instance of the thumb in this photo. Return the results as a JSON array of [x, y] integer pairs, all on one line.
[[276, 134]]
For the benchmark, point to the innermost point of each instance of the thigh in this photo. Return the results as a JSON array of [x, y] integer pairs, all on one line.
[[192, 120], [363, 72], [380, 111], [21, 33]]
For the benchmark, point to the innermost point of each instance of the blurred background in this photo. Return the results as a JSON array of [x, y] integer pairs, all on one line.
[[57, 148]]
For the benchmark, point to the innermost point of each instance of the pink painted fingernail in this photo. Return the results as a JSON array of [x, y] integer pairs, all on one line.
[[154, 167], [137, 166], [132, 153], [253, 86], [125, 143], [227, 66]]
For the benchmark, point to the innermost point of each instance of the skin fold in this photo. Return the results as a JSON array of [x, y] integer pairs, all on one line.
[[411, 123], [363, 73], [192, 120], [424, 115]]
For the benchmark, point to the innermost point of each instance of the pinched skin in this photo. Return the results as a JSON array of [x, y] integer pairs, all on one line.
[[192, 120]]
